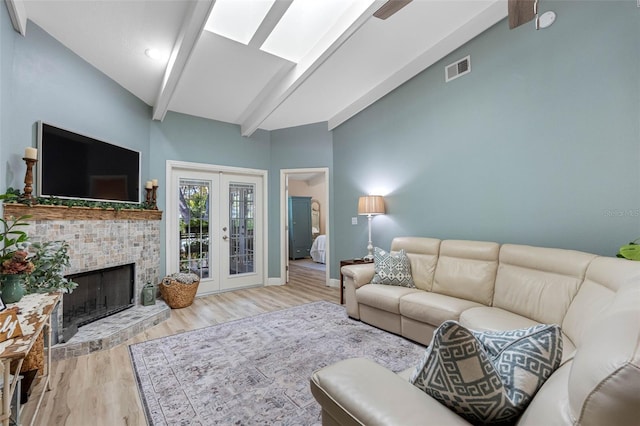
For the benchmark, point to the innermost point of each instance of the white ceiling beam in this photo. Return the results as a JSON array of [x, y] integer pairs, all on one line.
[[18, 15], [259, 112], [487, 18], [196, 19], [269, 22]]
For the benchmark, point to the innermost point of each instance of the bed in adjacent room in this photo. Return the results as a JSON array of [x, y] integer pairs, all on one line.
[[318, 249]]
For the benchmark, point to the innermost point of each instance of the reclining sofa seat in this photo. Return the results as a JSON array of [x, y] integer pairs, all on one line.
[[595, 299]]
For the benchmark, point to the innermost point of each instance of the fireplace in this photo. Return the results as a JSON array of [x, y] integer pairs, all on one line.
[[100, 293], [99, 239]]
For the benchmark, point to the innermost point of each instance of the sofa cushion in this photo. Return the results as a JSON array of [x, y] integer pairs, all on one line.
[[488, 377], [485, 318], [433, 308], [384, 297], [467, 269], [604, 383], [423, 255], [605, 276], [392, 268], [539, 283]]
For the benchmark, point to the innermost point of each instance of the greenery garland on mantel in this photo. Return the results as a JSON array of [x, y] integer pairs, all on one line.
[[14, 200]]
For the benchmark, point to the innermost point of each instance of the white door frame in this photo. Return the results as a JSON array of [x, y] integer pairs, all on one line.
[[284, 241], [172, 200]]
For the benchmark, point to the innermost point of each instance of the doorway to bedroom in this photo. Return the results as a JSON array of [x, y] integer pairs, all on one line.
[[305, 225]]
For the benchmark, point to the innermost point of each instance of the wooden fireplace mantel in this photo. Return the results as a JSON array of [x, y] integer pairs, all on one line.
[[46, 212]]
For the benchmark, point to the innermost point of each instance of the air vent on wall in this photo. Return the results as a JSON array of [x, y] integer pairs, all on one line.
[[457, 69]]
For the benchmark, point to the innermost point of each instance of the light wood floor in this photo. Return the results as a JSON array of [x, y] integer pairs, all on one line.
[[100, 389]]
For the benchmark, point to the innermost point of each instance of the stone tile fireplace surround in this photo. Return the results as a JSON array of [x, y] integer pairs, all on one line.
[[100, 239]]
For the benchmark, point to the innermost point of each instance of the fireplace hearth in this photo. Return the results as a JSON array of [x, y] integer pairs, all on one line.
[[100, 293]]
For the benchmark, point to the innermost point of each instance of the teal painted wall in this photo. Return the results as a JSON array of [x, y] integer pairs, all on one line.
[[309, 146], [6, 64], [539, 144], [43, 80]]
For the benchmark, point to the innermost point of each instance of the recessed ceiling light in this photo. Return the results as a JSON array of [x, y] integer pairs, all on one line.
[[155, 54]]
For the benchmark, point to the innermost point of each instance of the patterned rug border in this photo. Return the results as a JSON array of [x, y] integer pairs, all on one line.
[[139, 379]]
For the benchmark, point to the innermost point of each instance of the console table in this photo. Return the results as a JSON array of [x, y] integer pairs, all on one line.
[[35, 317]]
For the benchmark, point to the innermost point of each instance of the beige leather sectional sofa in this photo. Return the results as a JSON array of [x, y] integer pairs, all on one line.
[[487, 286]]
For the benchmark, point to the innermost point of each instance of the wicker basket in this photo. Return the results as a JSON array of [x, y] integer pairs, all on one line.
[[178, 295]]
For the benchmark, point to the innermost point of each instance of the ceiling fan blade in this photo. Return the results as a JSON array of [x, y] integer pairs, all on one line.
[[520, 12], [390, 7]]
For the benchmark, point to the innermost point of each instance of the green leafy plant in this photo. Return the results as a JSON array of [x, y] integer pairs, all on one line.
[[630, 251], [13, 196], [50, 260], [11, 237]]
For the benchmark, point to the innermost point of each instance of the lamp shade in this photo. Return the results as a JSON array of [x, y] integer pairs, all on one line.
[[371, 204]]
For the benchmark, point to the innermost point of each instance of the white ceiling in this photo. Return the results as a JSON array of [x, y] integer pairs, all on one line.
[[213, 77]]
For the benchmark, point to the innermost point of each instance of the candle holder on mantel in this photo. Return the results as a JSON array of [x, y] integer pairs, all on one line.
[[148, 199], [154, 205], [28, 177]]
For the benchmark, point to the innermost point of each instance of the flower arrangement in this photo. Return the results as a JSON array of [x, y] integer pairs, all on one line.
[[18, 263], [43, 264], [14, 259]]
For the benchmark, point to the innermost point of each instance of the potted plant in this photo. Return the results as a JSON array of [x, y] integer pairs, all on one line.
[[50, 260], [15, 264], [630, 251], [179, 289]]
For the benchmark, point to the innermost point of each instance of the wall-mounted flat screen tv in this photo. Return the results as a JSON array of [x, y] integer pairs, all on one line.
[[75, 166]]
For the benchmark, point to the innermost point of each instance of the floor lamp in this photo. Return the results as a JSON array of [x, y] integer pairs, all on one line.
[[370, 205]]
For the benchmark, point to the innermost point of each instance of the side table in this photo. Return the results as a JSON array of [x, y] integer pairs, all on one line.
[[349, 262], [35, 317]]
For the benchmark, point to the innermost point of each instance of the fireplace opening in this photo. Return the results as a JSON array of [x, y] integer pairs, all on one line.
[[100, 293]]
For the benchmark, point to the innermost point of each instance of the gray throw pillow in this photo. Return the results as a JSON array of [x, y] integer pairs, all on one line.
[[488, 377], [392, 268]]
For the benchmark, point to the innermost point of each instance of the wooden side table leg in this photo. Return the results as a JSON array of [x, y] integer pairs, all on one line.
[[341, 288], [6, 393]]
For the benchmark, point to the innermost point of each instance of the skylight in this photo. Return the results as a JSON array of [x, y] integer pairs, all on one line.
[[238, 19], [299, 25], [302, 26]]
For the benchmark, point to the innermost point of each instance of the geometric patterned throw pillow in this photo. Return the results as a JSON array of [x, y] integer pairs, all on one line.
[[392, 268], [488, 377]]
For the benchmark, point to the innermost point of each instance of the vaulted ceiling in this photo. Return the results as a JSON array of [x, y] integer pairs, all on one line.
[[359, 58]]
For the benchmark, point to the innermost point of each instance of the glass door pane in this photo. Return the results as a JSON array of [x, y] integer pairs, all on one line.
[[194, 226], [241, 228]]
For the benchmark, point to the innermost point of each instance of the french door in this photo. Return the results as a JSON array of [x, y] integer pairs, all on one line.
[[215, 227]]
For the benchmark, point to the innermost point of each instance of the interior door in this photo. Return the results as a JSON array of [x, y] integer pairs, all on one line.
[[218, 220]]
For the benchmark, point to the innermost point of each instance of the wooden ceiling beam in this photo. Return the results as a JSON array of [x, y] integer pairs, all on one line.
[[18, 15], [190, 33]]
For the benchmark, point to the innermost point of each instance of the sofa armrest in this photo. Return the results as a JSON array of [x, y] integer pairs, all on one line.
[[360, 274], [360, 392], [355, 276]]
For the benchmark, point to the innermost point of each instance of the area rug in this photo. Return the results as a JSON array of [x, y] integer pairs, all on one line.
[[256, 370]]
